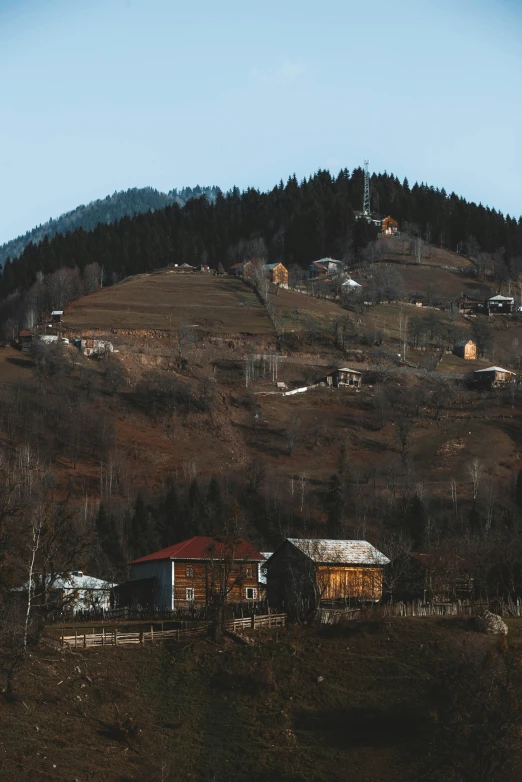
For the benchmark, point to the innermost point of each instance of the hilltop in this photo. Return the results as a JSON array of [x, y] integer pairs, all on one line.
[[125, 203]]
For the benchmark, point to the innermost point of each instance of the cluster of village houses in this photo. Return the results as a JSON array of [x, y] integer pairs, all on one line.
[[201, 571], [86, 345]]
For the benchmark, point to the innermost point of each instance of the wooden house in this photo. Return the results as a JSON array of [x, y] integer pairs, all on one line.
[[500, 305], [494, 376], [200, 571], [438, 576], [389, 225], [26, 340], [278, 274], [466, 349], [306, 573], [344, 377]]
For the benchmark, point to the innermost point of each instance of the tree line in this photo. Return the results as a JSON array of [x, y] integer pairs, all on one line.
[[294, 223]]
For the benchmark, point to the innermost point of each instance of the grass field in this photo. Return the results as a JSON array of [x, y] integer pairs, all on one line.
[[163, 300], [358, 702]]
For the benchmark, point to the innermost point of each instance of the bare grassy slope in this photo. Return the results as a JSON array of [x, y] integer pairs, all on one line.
[[164, 300], [223, 713]]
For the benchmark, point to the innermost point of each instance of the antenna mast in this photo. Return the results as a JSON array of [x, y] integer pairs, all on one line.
[[366, 202]]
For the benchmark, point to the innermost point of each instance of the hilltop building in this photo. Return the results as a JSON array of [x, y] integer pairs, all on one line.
[[389, 225]]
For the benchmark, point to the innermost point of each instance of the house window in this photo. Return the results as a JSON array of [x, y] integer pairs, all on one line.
[[251, 593], [189, 593], [190, 571], [248, 571]]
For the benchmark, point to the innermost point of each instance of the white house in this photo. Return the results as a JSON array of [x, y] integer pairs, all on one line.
[[73, 592]]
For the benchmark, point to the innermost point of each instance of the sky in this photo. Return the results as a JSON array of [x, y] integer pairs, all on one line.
[[105, 95]]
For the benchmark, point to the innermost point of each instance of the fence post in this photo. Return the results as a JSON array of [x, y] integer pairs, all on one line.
[[103, 636], [85, 640], [142, 637], [253, 621], [115, 637], [152, 633], [75, 638]]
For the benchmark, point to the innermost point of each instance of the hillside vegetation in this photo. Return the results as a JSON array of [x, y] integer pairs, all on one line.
[[104, 210]]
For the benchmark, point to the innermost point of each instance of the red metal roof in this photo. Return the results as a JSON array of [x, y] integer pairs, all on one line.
[[25, 333], [201, 547]]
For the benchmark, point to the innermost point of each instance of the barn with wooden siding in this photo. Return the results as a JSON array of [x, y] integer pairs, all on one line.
[[308, 573], [344, 377], [466, 349], [200, 571]]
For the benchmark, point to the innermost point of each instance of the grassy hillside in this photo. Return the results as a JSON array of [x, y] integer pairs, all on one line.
[[366, 701]]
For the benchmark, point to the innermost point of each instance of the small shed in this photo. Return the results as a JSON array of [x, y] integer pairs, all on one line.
[[56, 316], [466, 349], [344, 377], [494, 376], [26, 340], [500, 305]]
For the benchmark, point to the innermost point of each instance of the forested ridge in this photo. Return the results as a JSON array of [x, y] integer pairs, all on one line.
[[104, 210], [295, 223]]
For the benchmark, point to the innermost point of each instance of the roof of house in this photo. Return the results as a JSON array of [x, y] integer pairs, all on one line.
[[495, 369], [237, 265], [327, 260], [463, 343], [352, 283], [273, 265], [501, 298], [57, 312], [76, 580], [26, 333], [352, 552], [393, 220], [347, 369], [200, 547]]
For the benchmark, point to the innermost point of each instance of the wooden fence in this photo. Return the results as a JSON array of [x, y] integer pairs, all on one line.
[[505, 608], [88, 637]]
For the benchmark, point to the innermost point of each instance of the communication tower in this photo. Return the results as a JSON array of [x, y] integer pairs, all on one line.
[[366, 202]]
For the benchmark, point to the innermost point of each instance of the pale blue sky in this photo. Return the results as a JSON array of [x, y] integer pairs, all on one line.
[[102, 95]]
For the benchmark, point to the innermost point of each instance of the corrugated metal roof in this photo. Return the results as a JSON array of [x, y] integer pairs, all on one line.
[[200, 547], [346, 552], [501, 298], [345, 369], [496, 369]]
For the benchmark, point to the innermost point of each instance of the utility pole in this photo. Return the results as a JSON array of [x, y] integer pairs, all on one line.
[[366, 201]]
